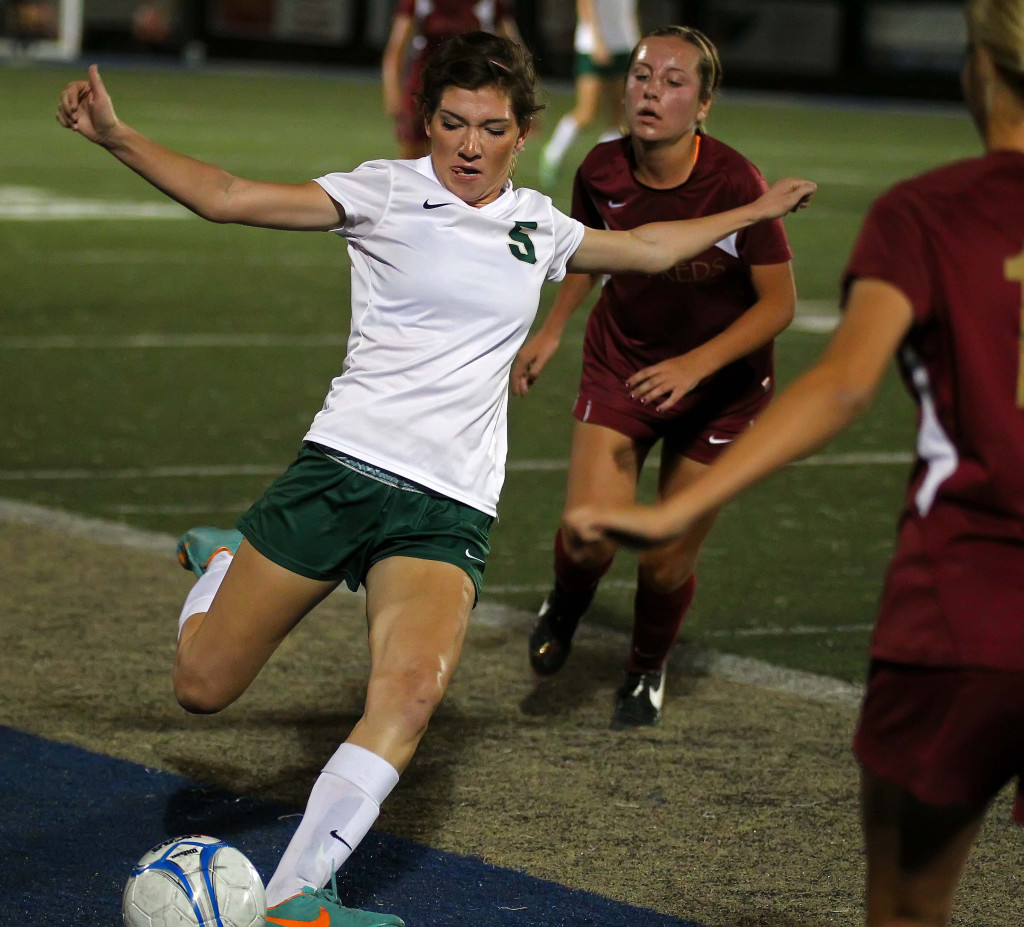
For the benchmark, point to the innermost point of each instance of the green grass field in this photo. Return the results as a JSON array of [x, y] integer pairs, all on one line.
[[159, 370]]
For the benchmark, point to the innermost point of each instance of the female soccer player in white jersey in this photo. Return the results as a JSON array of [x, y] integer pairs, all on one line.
[[397, 482], [936, 278]]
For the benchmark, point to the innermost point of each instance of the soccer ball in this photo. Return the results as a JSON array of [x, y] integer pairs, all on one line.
[[194, 881]]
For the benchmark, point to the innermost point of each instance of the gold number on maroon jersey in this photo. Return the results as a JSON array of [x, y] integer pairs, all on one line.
[[1014, 269]]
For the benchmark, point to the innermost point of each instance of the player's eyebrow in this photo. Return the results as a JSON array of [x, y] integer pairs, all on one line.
[[455, 117]]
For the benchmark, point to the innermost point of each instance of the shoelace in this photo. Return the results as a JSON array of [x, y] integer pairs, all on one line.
[[330, 894]]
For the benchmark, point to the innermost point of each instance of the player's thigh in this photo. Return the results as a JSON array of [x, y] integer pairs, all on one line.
[[674, 562], [915, 853], [611, 98], [588, 99], [604, 466], [257, 604], [417, 611]]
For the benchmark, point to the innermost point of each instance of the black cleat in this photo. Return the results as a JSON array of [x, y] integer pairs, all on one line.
[[551, 637], [638, 701]]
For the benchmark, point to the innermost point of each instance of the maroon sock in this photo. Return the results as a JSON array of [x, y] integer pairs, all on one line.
[[657, 618]]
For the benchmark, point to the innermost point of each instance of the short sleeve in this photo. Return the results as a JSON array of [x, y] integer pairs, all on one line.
[[566, 236], [893, 246], [364, 195]]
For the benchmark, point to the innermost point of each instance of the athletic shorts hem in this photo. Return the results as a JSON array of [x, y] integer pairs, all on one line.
[[289, 563], [438, 556]]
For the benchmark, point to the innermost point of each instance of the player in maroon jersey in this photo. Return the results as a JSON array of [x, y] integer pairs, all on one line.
[[936, 278], [684, 357], [426, 25]]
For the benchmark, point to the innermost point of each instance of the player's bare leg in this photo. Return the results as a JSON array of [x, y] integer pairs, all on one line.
[[418, 611], [915, 855], [588, 105], [604, 466], [664, 591], [220, 651]]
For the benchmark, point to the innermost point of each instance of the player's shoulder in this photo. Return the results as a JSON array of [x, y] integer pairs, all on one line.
[[951, 182], [606, 161], [722, 161]]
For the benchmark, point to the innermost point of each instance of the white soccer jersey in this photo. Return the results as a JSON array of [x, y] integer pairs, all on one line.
[[443, 296], [618, 24]]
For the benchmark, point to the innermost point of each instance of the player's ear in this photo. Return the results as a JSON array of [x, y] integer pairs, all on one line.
[[521, 140]]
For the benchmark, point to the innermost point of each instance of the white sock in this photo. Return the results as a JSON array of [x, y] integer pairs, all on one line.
[[200, 597], [564, 135], [609, 135], [341, 809]]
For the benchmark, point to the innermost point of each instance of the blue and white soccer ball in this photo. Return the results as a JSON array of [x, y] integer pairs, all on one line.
[[194, 881]]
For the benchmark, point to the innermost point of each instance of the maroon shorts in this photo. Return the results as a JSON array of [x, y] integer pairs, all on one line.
[[949, 736], [700, 426]]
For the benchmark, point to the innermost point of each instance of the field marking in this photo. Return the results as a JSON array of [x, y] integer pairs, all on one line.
[[158, 258], [35, 204], [742, 670], [813, 316], [188, 471], [142, 341]]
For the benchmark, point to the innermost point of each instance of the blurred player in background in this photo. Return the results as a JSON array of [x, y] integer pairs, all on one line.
[[684, 357], [936, 278], [425, 25], [397, 482], [606, 32]]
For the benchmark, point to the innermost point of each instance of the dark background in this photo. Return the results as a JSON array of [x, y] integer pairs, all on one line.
[[908, 49]]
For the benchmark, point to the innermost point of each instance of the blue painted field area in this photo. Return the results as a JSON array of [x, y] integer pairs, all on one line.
[[72, 823]]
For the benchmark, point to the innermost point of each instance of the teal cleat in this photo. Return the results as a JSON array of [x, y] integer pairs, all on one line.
[[198, 546], [320, 907]]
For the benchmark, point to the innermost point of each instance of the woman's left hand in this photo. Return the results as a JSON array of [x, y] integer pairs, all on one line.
[[636, 526], [667, 381]]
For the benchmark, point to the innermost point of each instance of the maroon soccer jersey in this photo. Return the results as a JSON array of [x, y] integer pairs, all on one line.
[[640, 320], [438, 20], [953, 242]]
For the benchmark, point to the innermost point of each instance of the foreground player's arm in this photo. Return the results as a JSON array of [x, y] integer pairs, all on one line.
[[812, 411], [657, 246], [669, 381], [534, 355], [86, 108]]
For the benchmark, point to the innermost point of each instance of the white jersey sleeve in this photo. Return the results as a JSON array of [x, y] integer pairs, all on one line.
[[363, 194]]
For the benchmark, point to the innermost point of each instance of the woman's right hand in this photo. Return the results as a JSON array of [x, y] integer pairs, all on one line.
[[784, 196], [84, 106], [531, 360]]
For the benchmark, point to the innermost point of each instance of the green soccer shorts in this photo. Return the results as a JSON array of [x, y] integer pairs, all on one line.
[[331, 517]]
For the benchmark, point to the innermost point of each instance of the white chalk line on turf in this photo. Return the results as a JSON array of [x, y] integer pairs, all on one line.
[[696, 659], [140, 341], [234, 470]]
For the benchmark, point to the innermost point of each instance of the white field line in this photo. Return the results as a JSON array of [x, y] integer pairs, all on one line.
[[735, 669], [36, 204], [813, 316], [122, 342], [103, 257], [235, 470]]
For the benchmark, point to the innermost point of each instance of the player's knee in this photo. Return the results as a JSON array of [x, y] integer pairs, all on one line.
[[664, 570], [195, 693], [409, 696]]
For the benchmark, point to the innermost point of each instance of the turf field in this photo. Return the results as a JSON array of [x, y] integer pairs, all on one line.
[[159, 370]]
